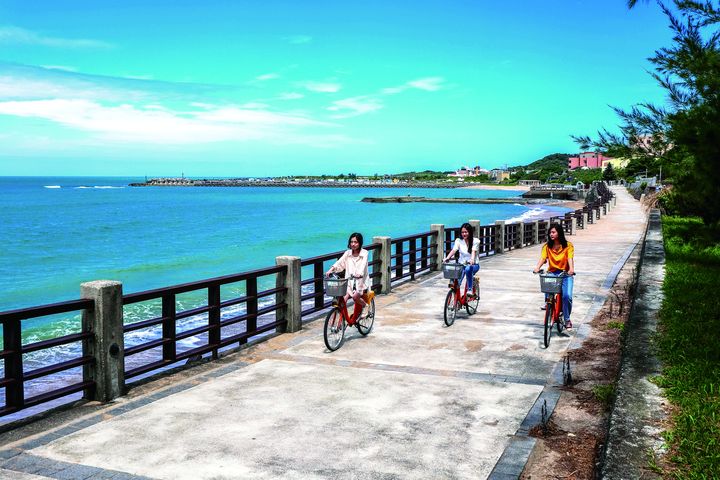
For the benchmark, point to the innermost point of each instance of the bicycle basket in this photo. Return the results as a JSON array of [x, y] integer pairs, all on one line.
[[452, 270], [550, 284], [335, 287]]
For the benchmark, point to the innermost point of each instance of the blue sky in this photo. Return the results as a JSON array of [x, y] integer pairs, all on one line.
[[238, 88]]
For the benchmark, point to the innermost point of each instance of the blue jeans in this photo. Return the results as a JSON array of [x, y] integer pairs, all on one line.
[[567, 289], [470, 270]]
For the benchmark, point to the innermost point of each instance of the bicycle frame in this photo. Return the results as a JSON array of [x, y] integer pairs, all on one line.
[[342, 306], [461, 298]]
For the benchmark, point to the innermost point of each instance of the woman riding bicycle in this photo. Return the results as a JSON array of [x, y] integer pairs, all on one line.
[[355, 263], [468, 247], [560, 255]]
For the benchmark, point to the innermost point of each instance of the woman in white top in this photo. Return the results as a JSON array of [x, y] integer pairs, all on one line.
[[355, 263], [468, 247]]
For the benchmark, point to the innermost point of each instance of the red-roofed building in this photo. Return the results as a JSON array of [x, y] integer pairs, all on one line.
[[587, 160]]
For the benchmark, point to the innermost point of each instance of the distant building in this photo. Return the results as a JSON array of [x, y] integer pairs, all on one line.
[[499, 175], [615, 162], [468, 172], [529, 183], [587, 160]]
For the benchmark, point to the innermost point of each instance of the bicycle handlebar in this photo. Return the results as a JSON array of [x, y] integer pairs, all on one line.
[[563, 274]]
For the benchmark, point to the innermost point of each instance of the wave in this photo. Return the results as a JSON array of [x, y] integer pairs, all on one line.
[[97, 186], [52, 186], [532, 214]]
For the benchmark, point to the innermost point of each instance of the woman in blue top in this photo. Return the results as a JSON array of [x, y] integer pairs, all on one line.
[[468, 247]]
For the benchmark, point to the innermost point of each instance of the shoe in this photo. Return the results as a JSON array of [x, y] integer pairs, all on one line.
[[568, 324], [471, 296], [543, 307]]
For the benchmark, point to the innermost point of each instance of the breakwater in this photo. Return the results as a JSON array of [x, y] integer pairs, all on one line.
[[482, 201], [238, 182]]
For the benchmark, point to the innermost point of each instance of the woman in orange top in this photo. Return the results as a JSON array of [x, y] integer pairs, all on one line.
[[560, 255]]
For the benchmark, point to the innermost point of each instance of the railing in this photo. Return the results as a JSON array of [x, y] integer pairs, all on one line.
[[512, 236], [450, 235], [486, 234], [312, 294], [221, 312], [16, 378], [405, 262], [206, 323], [579, 218], [528, 234]]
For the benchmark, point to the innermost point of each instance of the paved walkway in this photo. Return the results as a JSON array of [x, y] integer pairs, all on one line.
[[414, 399]]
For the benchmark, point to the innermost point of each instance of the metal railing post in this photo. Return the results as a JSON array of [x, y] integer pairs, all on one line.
[[107, 345]]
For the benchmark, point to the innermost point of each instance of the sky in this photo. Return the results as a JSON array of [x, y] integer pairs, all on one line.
[[225, 88]]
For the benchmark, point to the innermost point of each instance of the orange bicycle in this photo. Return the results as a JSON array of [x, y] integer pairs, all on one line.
[[338, 318], [455, 300], [551, 286]]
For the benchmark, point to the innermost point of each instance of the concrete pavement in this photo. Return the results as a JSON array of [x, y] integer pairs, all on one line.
[[414, 399]]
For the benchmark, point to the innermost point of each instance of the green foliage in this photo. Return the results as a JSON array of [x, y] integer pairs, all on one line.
[[605, 393], [555, 162], [586, 176], [689, 344], [617, 326], [609, 173], [682, 137]]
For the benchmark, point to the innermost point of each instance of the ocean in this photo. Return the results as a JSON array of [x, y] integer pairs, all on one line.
[[57, 232]]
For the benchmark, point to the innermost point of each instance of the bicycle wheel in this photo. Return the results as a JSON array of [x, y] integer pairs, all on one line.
[[471, 305], [334, 332], [548, 323], [451, 308], [560, 322], [365, 324]]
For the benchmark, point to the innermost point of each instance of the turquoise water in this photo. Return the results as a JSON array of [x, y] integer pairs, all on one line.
[[59, 232], [53, 239]]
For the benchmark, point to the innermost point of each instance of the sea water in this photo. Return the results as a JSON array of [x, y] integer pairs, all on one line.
[[56, 233]]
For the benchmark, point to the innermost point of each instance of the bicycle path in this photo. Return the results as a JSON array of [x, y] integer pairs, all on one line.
[[414, 399]]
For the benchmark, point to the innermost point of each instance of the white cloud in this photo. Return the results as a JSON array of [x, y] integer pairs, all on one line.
[[290, 96], [59, 67], [298, 39], [393, 90], [322, 87], [16, 35], [160, 125], [267, 76], [354, 106], [429, 84]]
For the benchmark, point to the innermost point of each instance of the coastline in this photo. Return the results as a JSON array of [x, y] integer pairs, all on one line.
[[522, 188]]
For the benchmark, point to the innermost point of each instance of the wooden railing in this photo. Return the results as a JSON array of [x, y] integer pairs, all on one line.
[[213, 317], [16, 377]]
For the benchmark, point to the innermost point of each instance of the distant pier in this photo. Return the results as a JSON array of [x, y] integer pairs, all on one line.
[[410, 199]]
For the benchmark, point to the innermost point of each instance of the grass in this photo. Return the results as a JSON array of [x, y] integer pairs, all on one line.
[[617, 325], [605, 393], [689, 346]]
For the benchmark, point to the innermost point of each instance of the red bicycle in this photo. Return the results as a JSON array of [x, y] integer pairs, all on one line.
[[455, 300], [551, 286], [338, 318]]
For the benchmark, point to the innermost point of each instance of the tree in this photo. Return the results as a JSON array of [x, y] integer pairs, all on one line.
[[682, 137], [609, 173]]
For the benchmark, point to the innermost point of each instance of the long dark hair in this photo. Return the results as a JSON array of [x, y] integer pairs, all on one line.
[[561, 235], [359, 238], [471, 231]]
